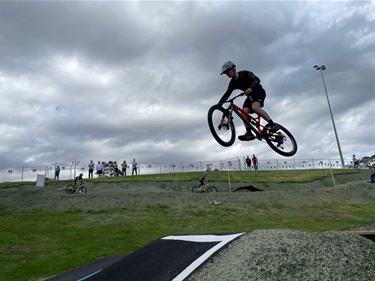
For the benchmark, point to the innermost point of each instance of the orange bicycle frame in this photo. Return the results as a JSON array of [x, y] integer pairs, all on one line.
[[255, 121]]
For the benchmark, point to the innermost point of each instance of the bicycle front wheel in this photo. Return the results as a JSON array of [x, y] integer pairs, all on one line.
[[196, 189], [211, 189], [70, 189], [282, 141], [221, 126], [82, 189]]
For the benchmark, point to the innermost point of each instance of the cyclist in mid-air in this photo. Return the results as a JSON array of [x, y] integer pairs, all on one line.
[[250, 84]]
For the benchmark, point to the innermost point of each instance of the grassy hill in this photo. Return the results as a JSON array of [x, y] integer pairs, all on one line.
[[48, 231]]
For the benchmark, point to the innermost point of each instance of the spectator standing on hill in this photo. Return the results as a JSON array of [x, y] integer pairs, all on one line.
[[115, 165], [57, 173], [248, 163], [91, 169], [124, 165], [99, 169], [355, 162], [134, 165], [255, 162]]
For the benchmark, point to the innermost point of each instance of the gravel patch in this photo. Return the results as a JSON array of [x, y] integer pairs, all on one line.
[[292, 255]]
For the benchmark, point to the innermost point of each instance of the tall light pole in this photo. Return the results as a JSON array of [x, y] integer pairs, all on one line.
[[321, 68]]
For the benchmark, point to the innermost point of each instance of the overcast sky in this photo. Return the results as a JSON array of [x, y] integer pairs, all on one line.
[[122, 80]]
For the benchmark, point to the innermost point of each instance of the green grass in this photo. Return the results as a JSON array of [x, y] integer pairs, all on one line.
[[278, 176], [39, 242]]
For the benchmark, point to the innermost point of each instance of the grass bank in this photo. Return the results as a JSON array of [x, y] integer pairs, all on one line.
[[45, 232]]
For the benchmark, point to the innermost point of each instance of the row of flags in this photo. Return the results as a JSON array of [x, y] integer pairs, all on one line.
[[149, 166], [270, 165], [33, 170]]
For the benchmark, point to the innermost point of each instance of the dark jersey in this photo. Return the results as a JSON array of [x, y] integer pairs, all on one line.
[[246, 79], [77, 179], [203, 180], [248, 161]]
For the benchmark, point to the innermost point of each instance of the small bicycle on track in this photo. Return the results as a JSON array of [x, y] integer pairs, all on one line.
[[204, 188], [79, 188], [220, 122]]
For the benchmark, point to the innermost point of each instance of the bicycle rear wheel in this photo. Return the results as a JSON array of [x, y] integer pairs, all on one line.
[[211, 189], [82, 189], [196, 189], [282, 142], [70, 189], [221, 127]]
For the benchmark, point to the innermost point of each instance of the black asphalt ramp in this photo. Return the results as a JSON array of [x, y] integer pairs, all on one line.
[[173, 257]]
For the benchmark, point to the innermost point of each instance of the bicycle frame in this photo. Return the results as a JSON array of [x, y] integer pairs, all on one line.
[[253, 123], [78, 185], [222, 127], [204, 187]]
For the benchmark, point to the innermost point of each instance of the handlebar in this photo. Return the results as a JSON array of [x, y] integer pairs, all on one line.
[[232, 99]]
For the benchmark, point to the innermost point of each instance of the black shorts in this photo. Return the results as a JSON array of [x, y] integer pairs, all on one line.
[[258, 96]]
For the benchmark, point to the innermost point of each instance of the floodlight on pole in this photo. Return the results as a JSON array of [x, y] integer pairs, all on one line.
[[321, 68]]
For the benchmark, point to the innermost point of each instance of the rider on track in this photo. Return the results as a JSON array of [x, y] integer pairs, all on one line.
[[78, 180], [204, 180]]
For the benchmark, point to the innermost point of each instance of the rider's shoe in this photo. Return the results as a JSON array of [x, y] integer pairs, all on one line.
[[271, 128], [274, 128], [248, 136]]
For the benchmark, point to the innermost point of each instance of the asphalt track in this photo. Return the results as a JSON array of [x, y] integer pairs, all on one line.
[[172, 257]]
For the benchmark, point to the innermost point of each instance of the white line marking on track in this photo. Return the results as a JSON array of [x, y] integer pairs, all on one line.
[[223, 239]]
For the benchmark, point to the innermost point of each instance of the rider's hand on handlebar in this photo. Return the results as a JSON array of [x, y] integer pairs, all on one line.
[[248, 91]]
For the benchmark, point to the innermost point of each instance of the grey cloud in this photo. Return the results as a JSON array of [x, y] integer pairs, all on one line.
[[135, 79]]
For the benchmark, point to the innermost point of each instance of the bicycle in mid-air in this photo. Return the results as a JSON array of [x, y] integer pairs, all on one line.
[[204, 188], [220, 122], [77, 188]]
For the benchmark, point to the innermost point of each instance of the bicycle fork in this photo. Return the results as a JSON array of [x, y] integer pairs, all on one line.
[[225, 123]]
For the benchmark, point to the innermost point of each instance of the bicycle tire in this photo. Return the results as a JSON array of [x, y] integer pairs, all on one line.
[[82, 189], [221, 127], [282, 142], [70, 189], [195, 189], [211, 189]]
